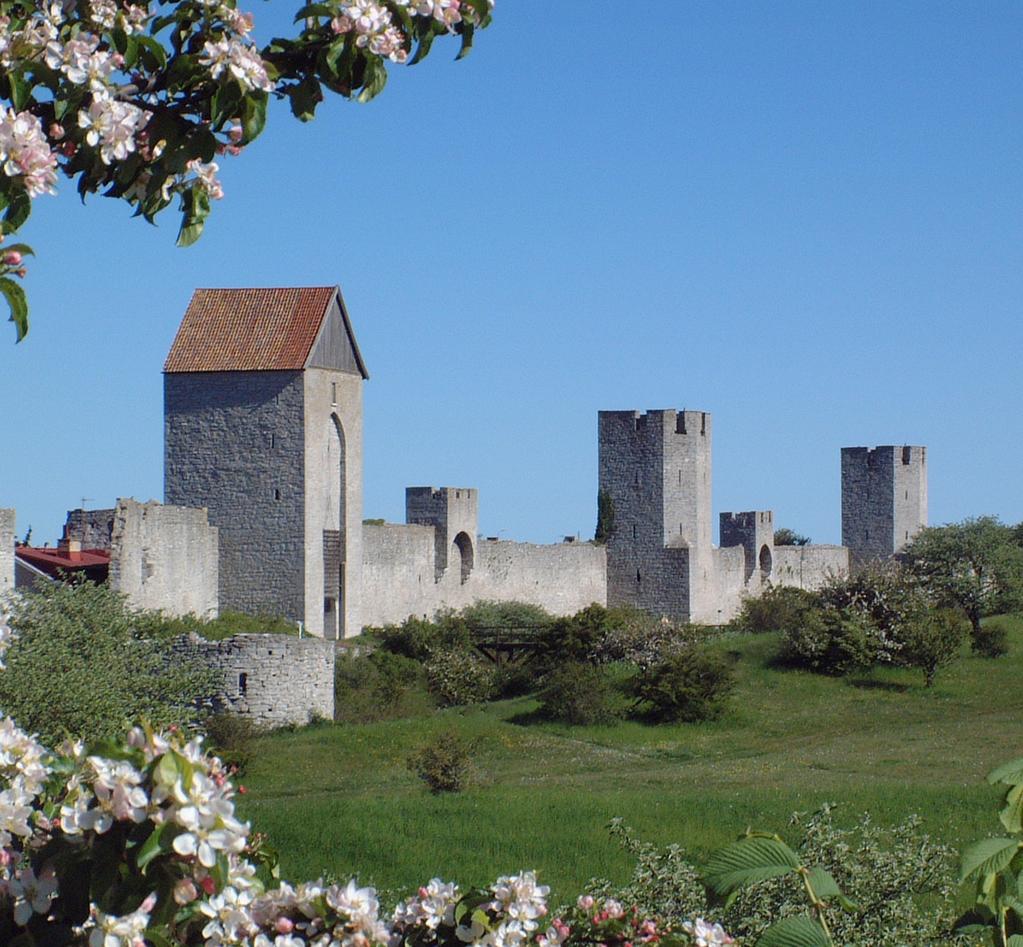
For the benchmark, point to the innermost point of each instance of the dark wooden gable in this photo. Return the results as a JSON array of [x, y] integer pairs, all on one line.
[[335, 346]]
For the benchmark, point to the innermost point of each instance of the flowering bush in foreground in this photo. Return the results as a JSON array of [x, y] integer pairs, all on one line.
[[138, 843], [137, 98]]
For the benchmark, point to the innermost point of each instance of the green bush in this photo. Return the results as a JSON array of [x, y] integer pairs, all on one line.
[[932, 640], [150, 624], [418, 638], [488, 615], [460, 677], [778, 609], [232, 738], [79, 668], [577, 637], [637, 637], [514, 680], [832, 641], [444, 764], [687, 686], [379, 686], [577, 693], [991, 638]]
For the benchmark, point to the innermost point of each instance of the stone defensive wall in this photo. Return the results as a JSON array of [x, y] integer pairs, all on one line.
[[6, 552], [165, 558], [273, 680], [400, 578], [809, 567]]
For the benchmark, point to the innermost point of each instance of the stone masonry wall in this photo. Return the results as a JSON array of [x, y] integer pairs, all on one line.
[[92, 528], [398, 575], [809, 567], [7, 526], [165, 558], [273, 680], [234, 443]]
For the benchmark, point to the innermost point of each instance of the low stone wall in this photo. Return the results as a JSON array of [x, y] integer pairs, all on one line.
[[6, 552], [273, 680], [165, 558]]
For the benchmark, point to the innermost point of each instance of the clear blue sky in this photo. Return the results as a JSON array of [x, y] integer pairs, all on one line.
[[805, 218]]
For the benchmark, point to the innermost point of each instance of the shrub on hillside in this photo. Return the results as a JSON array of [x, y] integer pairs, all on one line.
[[418, 638], [79, 668], [577, 693], [460, 677], [152, 624], [490, 615], [687, 686], [232, 738], [378, 686], [514, 680], [639, 638], [576, 637], [444, 764], [832, 641], [886, 596], [778, 609], [932, 640], [991, 639]]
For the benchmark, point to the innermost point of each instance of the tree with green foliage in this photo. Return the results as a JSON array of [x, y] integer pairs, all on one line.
[[932, 640], [974, 565], [605, 518], [78, 667], [789, 537]]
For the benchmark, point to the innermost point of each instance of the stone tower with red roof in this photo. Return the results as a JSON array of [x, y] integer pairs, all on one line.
[[263, 427]]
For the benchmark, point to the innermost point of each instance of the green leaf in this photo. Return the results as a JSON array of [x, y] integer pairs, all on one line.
[[827, 889], [986, 857], [746, 862], [151, 847], [467, 36], [801, 931], [23, 248], [423, 49], [18, 211], [304, 96], [253, 114], [1011, 773], [374, 78], [152, 53], [17, 302], [1012, 812], [313, 9], [1016, 940]]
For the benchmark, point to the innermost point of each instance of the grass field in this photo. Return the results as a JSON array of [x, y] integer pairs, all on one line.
[[338, 800]]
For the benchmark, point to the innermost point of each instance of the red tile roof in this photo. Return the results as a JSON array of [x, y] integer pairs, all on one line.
[[249, 330], [57, 558]]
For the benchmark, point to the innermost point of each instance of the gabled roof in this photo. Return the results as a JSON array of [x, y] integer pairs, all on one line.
[[255, 330]]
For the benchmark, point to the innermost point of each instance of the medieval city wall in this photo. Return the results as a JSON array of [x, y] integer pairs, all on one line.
[[234, 443], [399, 575], [809, 567], [7, 526], [730, 570], [93, 529], [165, 558], [273, 680]]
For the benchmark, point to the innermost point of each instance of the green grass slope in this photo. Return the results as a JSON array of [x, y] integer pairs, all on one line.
[[338, 800]]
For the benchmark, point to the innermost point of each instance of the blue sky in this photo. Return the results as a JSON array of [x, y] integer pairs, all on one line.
[[805, 218]]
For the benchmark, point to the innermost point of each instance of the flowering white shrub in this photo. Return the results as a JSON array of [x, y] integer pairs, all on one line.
[[135, 99], [137, 843]]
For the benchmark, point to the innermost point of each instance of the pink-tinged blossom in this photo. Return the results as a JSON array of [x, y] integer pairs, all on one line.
[[25, 152], [207, 176], [32, 895], [112, 125], [706, 935], [240, 60]]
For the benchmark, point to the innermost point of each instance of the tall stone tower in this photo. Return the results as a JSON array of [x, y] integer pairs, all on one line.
[[884, 499], [655, 469], [263, 426]]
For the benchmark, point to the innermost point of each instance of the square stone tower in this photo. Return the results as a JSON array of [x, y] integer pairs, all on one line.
[[263, 427], [453, 512], [655, 468], [884, 499]]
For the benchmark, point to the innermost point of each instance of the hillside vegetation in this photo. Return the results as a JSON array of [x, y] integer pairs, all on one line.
[[340, 799]]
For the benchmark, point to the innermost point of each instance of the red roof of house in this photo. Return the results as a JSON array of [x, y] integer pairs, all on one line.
[[249, 330], [47, 558]]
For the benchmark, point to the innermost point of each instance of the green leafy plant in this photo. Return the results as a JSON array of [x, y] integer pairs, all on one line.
[[932, 640], [444, 764], [459, 678], [605, 518], [686, 686], [577, 693], [991, 639], [995, 866], [832, 641], [79, 667], [780, 608], [757, 857]]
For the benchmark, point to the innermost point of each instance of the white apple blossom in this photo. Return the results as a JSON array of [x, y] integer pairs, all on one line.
[[126, 931], [25, 152], [705, 934], [239, 59], [32, 895], [113, 126], [207, 177]]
